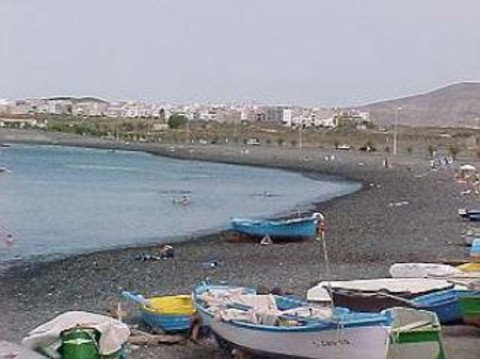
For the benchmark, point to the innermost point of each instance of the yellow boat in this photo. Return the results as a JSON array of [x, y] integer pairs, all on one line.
[[469, 267], [171, 313], [172, 304]]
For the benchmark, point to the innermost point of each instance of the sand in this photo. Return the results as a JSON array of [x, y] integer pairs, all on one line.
[[366, 233]]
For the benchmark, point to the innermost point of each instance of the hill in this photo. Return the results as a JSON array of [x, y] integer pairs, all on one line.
[[454, 105], [77, 100]]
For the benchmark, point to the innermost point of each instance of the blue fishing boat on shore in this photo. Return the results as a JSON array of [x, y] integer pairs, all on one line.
[[284, 326], [283, 228], [172, 313], [471, 214]]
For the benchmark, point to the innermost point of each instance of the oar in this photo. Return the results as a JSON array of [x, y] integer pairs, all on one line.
[[137, 298]]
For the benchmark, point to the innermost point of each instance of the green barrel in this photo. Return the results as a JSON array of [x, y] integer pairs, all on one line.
[[79, 343]]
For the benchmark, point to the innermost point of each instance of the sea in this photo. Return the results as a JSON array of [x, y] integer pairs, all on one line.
[[57, 201]]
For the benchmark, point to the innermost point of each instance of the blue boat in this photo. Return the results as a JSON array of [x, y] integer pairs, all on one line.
[[173, 313], [444, 303], [284, 228], [289, 327], [472, 214]]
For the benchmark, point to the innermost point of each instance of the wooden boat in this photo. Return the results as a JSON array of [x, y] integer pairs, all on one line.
[[475, 248], [423, 270], [290, 327], [444, 303], [295, 332], [414, 334], [469, 267], [168, 313], [295, 227], [373, 295], [470, 308], [466, 213]]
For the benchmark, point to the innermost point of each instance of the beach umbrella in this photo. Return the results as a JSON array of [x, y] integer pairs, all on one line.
[[468, 167]]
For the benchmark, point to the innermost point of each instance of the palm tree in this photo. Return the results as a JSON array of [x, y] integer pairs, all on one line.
[[454, 150]]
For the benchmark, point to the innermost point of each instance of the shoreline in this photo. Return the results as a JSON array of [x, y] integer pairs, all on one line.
[[365, 235], [35, 260]]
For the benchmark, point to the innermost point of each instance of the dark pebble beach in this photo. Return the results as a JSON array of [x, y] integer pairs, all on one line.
[[405, 213]]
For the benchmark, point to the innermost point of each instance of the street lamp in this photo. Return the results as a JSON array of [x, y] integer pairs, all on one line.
[[300, 134], [397, 117], [187, 131]]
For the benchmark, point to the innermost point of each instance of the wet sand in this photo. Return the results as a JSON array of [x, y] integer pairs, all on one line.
[[366, 233]]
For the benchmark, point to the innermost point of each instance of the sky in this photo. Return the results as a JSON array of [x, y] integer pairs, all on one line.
[[306, 52]]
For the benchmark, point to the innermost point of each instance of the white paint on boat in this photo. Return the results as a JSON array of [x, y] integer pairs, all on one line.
[[358, 342]]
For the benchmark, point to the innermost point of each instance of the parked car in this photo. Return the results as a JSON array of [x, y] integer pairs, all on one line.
[[367, 148], [344, 147], [253, 141]]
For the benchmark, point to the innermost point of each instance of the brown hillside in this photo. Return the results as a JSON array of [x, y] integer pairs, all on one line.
[[454, 105]]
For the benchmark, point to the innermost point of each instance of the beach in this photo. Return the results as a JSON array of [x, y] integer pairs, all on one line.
[[405, 213]]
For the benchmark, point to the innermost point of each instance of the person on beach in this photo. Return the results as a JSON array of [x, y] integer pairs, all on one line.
[[167, 251]]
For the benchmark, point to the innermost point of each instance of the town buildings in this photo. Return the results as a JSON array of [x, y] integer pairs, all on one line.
[[89, 107]]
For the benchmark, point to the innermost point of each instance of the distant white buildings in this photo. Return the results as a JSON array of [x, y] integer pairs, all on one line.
[[290, 116]]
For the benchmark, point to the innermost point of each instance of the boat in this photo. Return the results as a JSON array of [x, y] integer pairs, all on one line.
[[469, 267], [444, 303], [468, 240], [283, 326], [475, 248], [373, 295], [466, 213], [173, 313], [283, 228], [414, 334], [470, 307], [423, 270]]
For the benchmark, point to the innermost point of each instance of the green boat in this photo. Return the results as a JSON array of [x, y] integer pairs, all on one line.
[[470, 308], [415, 334]]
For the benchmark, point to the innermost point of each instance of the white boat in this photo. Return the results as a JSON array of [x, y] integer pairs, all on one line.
[[373, 295], [283, 326], [423, 270]]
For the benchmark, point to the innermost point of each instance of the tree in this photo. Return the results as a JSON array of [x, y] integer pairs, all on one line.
[[454, 150], [177, 120]]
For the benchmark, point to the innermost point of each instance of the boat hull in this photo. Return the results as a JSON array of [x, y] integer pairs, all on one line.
[[443, 303], [366, 342], [423, 344], [415, 334], [168, 322], [293, 228], [169, 313], [470, 309]]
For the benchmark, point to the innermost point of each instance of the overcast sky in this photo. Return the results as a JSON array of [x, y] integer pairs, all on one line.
[[311, 52]]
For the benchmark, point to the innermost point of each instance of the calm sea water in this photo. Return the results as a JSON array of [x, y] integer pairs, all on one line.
[[62, 200]]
